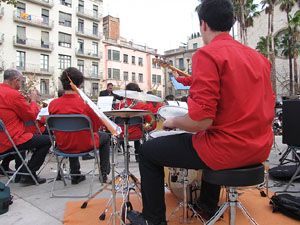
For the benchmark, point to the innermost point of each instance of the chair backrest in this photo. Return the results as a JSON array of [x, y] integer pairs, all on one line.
[[69, 123], [33, 123], [3, 128]]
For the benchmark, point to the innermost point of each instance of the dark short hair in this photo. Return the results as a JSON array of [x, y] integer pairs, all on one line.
[[150, 92], [133, 87], [75, 75], [170, 97], [60, 92], [110, 84], [218, 14], [11, 74]]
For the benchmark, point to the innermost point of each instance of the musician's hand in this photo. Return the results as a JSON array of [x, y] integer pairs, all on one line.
[[34, 95], [169, 124], [175, 74]]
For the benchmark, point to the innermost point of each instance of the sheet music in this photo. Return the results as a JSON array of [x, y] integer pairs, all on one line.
[[174, 103], [104, 103], [42, 112], [183, 104]]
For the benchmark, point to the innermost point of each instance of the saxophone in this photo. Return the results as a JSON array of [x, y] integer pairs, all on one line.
[[149, 125]]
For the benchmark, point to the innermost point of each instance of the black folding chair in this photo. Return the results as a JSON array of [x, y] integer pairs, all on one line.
[[71, 123]]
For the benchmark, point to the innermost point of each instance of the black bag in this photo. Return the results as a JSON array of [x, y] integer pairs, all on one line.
[[5, 198], [286, 204], [283, 172]]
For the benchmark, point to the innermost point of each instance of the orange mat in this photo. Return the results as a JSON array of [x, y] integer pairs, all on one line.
[[258, 207]]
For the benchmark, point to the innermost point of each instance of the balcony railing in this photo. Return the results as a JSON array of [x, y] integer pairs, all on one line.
[[1, 38], [88, 33], [33, 20], [33, 44], [89, 14], [47, 3], [34, 69], [89, 74], [1, 12], [87, 53]]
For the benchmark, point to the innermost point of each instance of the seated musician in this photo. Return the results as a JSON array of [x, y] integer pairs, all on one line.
[[14, 111], [232, 127], [71, 103], [153, 107], [134, 131]]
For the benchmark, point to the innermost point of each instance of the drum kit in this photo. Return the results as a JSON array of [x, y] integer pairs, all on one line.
[[126, 181]]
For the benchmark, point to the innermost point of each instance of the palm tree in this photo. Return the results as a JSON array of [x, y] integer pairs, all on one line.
[[295, 23], [11, 2], [262, 47]]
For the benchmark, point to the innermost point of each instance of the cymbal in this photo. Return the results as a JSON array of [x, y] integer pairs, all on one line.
[[138, 96], [127, 113]]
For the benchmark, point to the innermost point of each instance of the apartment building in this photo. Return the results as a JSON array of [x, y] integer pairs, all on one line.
[[127, 62], [181, 58], [43, 37]]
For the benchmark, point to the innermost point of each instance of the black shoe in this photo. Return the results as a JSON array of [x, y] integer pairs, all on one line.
[[104, 178], [27, 179], [87, 157], [77, 179], [136, 218], [205, 212]]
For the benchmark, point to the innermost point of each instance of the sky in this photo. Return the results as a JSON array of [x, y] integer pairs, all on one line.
[[159, 24]]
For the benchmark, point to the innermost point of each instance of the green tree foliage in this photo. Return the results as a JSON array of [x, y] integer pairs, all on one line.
[[10, 2]]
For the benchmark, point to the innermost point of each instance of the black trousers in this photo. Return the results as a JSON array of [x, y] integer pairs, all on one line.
[[40, 145], [169, 151], [104, 147]]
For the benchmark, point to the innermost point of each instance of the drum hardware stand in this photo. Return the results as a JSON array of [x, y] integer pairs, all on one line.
[[184, 203]]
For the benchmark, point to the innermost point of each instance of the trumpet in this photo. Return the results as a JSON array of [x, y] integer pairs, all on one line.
[[26, 95]]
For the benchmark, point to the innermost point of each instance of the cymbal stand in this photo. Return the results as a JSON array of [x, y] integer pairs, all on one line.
[[124, 181], [184, 203]]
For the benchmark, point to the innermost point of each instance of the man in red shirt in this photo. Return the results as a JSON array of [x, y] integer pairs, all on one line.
[[80, 141], [230, 109], [14, 111]]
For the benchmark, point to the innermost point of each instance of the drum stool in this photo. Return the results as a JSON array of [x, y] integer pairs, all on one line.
[[184, 203], [232, 179]]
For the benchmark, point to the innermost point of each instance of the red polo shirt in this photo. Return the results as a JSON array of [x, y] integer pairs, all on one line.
[[231, 85], [14, 111], [78, 141]]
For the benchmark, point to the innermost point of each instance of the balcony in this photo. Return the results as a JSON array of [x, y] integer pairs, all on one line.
[[1, 38], [88, 34], [1, 12], [34, 69], [90, 75], [86, 53], [33, 44], [46, 3], [88, 14], [36, 21]]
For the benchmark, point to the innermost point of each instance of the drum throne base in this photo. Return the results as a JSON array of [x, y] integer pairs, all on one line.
[[184, 203]]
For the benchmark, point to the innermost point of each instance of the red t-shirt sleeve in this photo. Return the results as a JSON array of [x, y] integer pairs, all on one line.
[[186, 81]]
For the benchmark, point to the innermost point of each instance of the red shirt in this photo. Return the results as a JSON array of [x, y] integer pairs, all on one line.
[[78, 141], [186, 81], [153, 107], [134, 131], [14, 111], [231, 85]]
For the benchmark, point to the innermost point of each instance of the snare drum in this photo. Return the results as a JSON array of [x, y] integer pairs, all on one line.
[[194, 176], [171, 111]]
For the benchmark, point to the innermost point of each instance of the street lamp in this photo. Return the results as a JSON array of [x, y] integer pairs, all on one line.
[[188, 65]]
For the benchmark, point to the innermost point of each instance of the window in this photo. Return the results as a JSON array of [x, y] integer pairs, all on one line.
[[116, 55], [140, 61], [153, 64], [158, 79], [159, 93], [140, 77], [80, 47], [81, 26], [95, 69], [171, 62], [45, 39], [153, 78], [181, 64], [195, 45], [109, 54], [80, 65], [133, 76], [21, 35], [95, 29], [65, 19], [125, 75], [133, 59], [95, 48], [20, 60], [116, 74], [64, 61], [170, 76], [109, 73], [95, 11], [81, 6], [95, 89], [44, 86], [45, 16], [66, 2], [125, 58], [20, 8], [64, 40], [44, 62]]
